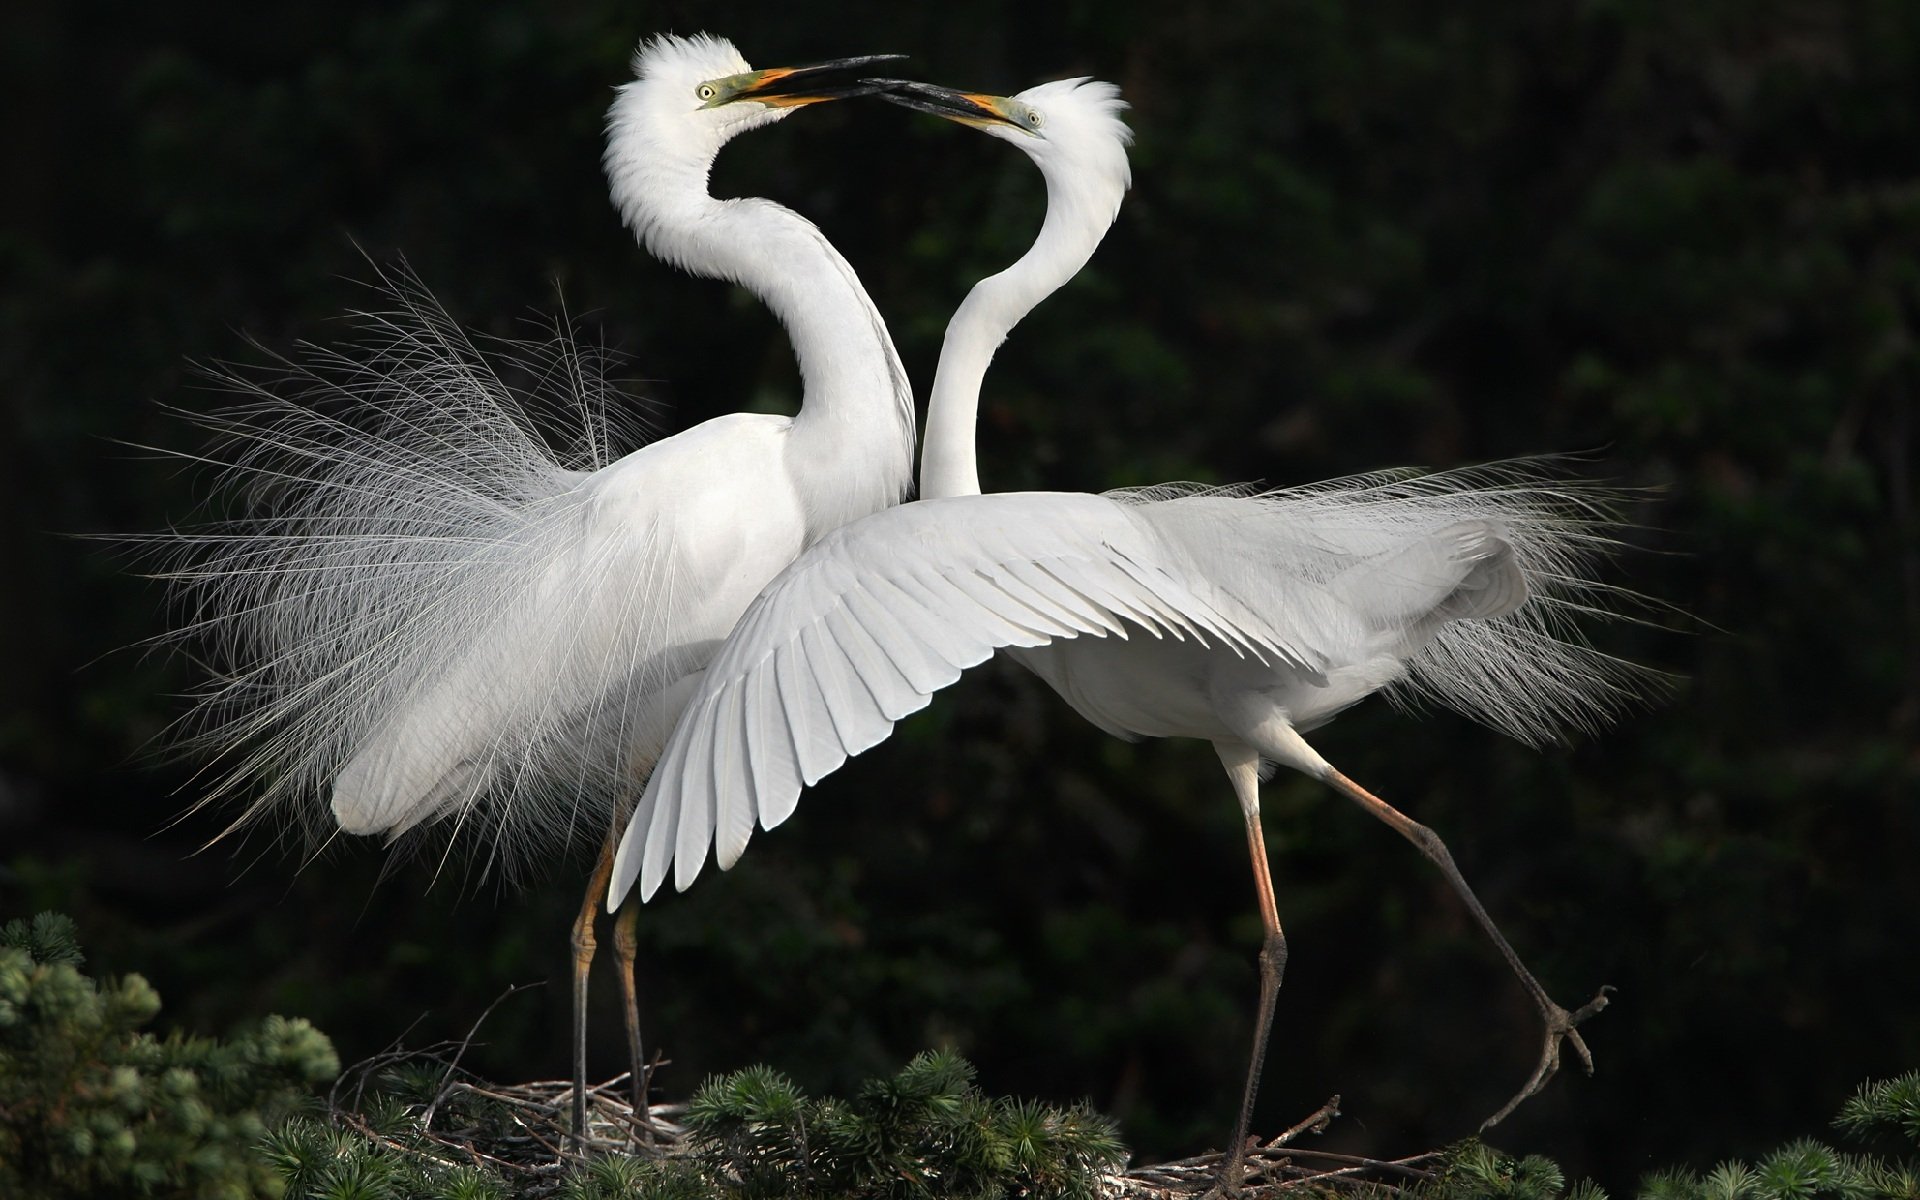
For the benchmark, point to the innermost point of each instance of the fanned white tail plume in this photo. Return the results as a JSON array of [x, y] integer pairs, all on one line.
[[405, 616], [1476, 580]]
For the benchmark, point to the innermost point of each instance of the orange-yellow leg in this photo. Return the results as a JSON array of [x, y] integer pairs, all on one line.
[[583, 948], [625, 951], [1561, 1024], [1243, 769]]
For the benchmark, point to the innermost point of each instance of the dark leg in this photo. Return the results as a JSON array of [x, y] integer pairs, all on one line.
[[625, 951], [1243, 769], [583, 948], [1561, 1024]]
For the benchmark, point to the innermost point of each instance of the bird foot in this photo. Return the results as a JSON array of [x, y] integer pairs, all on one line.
[[1227, 1183], [1561, 1026], [1257, 1159], [1233, 1168]]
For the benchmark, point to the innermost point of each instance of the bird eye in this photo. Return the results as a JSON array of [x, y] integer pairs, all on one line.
[[706, 91], [1034, 119]]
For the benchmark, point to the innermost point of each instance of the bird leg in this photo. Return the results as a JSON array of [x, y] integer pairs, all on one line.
[[1561, 1024], [583, 948], [625, 950], [1243, 768]]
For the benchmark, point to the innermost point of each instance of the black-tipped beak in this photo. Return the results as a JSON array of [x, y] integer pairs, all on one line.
[[791, 87], [969, 108]]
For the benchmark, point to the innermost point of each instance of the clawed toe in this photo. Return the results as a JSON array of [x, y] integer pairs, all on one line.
[[1592, 1006], [1561, 1026]]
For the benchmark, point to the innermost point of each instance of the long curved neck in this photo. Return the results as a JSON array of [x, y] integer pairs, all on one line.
[[1076, 221], [854, 431]]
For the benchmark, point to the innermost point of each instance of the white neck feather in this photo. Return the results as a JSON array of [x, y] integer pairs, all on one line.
[[1078, 216], [856, 422]]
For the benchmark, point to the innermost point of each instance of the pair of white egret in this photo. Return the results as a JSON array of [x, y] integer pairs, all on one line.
[[437, 620]]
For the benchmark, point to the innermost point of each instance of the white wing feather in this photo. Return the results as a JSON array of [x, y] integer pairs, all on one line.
[[875, 618]]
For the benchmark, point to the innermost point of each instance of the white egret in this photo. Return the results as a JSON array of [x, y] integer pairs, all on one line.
[[1455, 586], [439, 620]]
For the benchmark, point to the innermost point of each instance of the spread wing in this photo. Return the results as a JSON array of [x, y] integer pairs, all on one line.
[[876, 617]]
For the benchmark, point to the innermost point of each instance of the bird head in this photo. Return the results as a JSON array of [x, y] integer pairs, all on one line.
[[696, 93], [1069, 127]]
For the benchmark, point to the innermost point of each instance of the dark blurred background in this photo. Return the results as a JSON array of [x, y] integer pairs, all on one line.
[[1683, 237]]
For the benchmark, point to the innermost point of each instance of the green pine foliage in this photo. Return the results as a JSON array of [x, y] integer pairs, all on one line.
[[1889, 1106], [394, 1143], [319, 1160], [639, 1179], [1811, 1170], [91, 1106], [926, 1132], [1477, 1171], [1801, 1170]]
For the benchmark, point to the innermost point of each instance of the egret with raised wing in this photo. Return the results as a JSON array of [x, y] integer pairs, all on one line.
[[1265, 615]]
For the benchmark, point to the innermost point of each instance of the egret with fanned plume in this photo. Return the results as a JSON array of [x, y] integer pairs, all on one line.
[[435, 618]]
